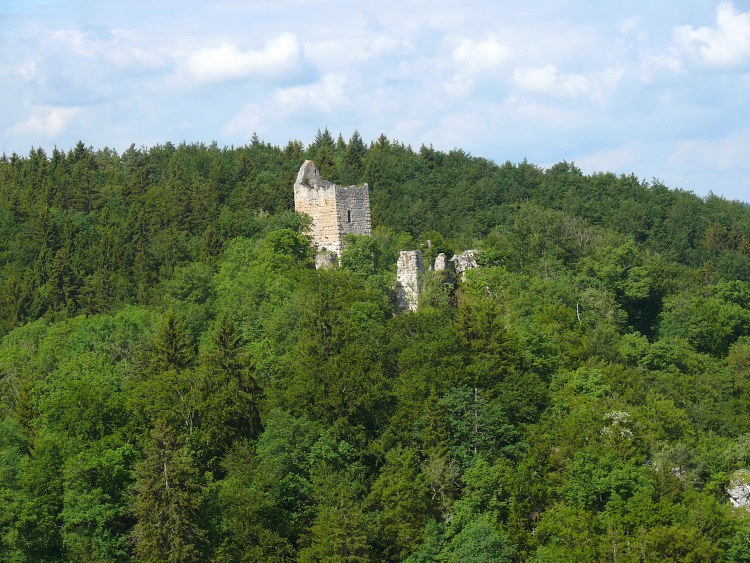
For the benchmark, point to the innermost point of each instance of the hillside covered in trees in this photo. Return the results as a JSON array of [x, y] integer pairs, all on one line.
[[178, 383]]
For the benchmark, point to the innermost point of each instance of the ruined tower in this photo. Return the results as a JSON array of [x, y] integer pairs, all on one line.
[[335, 210]]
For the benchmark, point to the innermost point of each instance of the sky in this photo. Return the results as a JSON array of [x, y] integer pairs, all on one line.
[[660, 89]]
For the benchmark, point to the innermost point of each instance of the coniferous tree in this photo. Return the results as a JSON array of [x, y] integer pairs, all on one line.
[[228, 408], [173, 347], [340, 145], [324, 160], [322, 139], [62, 284], [166, 502], [338, 534], [210, 245]]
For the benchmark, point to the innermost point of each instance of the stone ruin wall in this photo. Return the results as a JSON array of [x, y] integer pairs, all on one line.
[[409, 279], [467, 260], [319, 204], [353, 208], [335, 210], [410, 273]]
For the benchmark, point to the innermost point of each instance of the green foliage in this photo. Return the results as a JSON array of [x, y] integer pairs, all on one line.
[[250, 522], [338, 533], [166, 503], [173, 347], [94, 514], [178, 383], [478, 541], [566, 534], [81, 399], [228, 396], [402, 494], [710, 324]]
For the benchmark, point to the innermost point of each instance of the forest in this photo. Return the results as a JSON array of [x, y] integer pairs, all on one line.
[[179, 383]]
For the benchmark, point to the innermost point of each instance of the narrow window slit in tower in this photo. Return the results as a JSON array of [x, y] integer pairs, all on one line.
[[348, 215]]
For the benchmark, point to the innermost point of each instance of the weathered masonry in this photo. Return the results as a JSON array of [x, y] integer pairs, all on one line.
[[338, 210], [409, 279], [335, 210], [410, 274]]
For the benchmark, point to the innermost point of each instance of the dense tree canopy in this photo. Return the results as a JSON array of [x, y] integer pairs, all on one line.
[[178, 383]]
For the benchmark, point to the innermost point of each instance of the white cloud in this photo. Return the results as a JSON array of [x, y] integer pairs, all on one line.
[[246, 122], [326, 95], [726, 45], [481, 55], [630, 25], [47, 121], [618, 159], [379, 45], [724, 153], [338, 53], [458, 85], [546, 114], [117, 47], [280, 57], [127, 55], [75, 41], [550, 80], [655, 68], [408, 128], [536, 79], [27, 69], [473, 62]]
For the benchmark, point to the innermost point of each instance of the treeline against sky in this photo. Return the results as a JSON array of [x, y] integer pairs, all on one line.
[[178, 383]]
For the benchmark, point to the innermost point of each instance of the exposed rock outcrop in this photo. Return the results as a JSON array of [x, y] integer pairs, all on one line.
[[739, 489]]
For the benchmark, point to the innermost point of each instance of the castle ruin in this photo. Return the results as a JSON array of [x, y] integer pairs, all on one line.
[[409, 279], [338, 210], [335, 210]]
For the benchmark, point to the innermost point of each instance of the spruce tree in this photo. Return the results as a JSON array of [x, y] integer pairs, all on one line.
[[173, 347], [166, 502]]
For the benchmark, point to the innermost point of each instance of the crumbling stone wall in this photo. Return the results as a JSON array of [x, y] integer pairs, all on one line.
[[338, 210], [409, 279], [467, 260], [335, 210]]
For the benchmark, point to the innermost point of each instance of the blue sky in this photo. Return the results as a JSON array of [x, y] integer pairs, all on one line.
[[659, 89]]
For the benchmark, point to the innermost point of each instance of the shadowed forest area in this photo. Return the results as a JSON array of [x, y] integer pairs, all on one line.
[[178, 382]]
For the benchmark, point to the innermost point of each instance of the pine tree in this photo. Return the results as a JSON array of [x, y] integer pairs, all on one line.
[[338, 534], [62, 284], [293, 150], [355, 150], [353, 164], [322, 139], [173, 347], [340, 145], [211, 245], [227, 410], [325, 162], [166, 503], [86, 195]]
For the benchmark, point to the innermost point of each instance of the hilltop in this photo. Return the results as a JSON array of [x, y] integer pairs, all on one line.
[[180, 383]]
